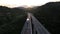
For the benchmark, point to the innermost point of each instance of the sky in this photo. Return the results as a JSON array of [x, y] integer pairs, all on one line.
[[24, 3]]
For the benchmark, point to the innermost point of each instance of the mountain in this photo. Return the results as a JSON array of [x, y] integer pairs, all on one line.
[[49, 16], [11, 20]]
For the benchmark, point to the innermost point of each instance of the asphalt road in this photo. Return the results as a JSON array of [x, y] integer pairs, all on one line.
[[37, 28], [27, 29]]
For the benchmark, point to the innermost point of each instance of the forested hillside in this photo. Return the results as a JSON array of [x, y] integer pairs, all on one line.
[[49, 16], [11, 20]]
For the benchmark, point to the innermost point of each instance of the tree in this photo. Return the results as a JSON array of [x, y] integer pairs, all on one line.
[[49, 16], [11, 20]]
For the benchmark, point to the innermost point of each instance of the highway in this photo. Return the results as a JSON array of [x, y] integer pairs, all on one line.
[[33, 26], [27, 29]]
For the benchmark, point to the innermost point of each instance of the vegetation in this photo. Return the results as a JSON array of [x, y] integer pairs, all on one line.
[[49, 16], [13, 19]]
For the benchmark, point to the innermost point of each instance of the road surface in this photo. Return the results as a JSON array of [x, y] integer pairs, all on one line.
[[33, 26]]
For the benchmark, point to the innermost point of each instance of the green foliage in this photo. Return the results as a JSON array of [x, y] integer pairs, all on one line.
[[49, 16], [11, 20]]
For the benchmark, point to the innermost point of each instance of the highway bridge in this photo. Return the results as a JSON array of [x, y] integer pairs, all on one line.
[[33, 26]]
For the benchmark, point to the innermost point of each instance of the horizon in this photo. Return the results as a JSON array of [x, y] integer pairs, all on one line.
[[26, 3]]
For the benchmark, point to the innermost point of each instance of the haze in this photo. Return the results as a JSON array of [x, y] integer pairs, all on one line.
[[24, 3]]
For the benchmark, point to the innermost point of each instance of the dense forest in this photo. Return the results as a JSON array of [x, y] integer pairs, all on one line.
[[13, 19], [49, 16]]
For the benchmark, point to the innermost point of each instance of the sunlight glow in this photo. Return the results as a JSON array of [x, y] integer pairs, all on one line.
[[28, 3]]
